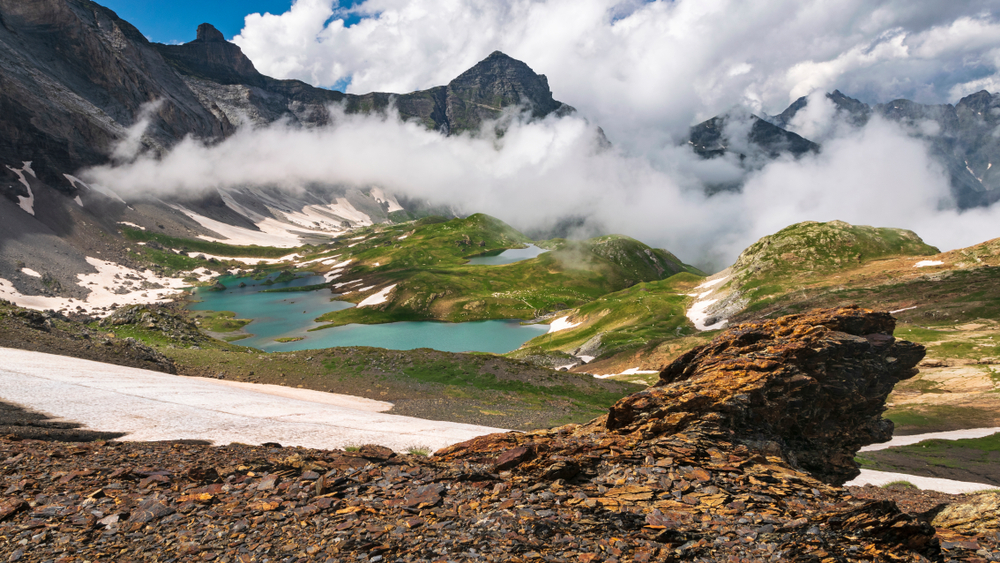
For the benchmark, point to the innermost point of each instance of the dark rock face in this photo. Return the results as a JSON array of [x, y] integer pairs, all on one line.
[[761, 139], [73, 77], [211, 56], [812, 387], [960, 136]]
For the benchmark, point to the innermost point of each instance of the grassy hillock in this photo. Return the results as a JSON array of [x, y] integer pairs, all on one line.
[[623, 321], [811, 251], [428, 265]]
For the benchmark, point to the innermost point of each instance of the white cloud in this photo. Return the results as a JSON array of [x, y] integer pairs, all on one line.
[[644, 70], [544, 171]]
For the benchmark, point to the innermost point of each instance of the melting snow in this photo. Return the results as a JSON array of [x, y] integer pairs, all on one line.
[[561, 324], [880, 478], [31, 272], [925, 263], [630, 371], [103, 397], [378, 298], [271, 233], [402, 237], [133, 225], [110, 277], [78, 201], [901, 310], [26, 203], [698, 313]]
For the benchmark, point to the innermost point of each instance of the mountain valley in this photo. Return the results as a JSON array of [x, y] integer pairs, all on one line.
[[657, 407]]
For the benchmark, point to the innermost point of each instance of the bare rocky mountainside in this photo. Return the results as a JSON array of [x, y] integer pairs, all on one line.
[[961, 137], [74, 78], [734, 455]]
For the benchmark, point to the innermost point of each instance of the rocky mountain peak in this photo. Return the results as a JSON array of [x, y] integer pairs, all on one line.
[[499, 81], [207, 33], [211, 57]]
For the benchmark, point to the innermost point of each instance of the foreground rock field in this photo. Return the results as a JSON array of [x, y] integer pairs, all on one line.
[[735, 455]]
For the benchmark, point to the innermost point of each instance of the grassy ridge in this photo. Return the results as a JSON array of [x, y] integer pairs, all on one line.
[[626, 320]]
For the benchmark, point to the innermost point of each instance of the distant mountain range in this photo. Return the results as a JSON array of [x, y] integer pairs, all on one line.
[[964, 138]]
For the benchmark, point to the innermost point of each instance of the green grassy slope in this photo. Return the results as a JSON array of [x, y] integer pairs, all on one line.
[[434, 282]]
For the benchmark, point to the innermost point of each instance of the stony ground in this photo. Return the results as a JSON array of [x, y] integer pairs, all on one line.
[[706, 466]]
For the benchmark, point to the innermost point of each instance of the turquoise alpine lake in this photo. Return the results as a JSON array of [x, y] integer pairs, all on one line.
[[291, 314], [507, 256]]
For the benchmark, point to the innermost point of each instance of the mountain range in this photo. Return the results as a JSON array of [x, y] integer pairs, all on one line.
[[962, 137]]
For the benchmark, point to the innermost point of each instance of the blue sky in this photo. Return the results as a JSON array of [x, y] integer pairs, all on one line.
[[177, 21]]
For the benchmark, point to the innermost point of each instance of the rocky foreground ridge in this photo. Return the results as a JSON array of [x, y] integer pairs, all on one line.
[[735, 454]]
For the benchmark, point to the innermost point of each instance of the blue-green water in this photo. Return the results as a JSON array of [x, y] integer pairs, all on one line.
[[290, 315], [508, 256]]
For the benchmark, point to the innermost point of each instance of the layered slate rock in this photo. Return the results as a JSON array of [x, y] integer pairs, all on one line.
[[711, 464]]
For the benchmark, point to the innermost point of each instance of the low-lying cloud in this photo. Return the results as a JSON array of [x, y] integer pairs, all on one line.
[[543, 171]]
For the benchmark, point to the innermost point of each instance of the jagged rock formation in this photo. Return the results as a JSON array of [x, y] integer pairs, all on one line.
[[710, 464]]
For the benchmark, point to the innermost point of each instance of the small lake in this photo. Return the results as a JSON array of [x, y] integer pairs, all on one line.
[[507, 256], [291, 314]]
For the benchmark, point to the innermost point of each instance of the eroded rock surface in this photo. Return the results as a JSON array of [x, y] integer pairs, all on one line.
[[712, 464]]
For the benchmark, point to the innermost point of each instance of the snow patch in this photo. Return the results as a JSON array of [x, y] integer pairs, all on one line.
[[926, 263], [133, 225], [878, 478], [381, 197], [78, 201], [586, 359], [378, 298], [562, 324], [26, 203], [106, 397], [698, 313], [402, 237], [901, 310], [271, 233], [711, 283], [949, 435], [111, 284], [31, 272], [630, 371]]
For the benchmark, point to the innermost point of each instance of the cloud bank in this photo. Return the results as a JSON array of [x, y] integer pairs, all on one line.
[[543, 171], [645, 70]]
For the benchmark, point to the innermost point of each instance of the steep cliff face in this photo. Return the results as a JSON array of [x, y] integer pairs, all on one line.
[[73, 77]]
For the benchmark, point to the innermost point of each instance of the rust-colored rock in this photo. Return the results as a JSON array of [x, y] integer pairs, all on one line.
[[730, 458]]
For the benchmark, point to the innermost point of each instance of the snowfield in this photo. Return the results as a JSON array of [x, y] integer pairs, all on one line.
[[149, 405]]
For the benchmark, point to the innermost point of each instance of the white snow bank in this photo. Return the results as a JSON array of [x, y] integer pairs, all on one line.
[[149, 405], [878, 478], [78, 201], [272, 232], [561, 323], [630, 371], [133, 225], [698, 313], [926, 263], [901, 310], [31, 272], [711, 283], [109, 279], [402, 237], [26, 203], [950, 435], [378, 298]]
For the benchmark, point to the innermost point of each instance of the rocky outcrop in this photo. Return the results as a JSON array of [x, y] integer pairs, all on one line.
[[211, 56]]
